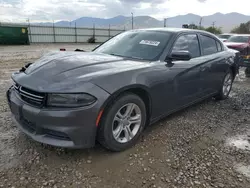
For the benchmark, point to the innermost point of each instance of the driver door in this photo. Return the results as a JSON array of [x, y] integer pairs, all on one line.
[[187, 80]]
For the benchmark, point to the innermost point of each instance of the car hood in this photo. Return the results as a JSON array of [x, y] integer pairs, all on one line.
[[234, 43], [223, 39], [62, 68]]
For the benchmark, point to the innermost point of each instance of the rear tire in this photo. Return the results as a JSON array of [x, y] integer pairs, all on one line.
[[226, 86], [122, 122]]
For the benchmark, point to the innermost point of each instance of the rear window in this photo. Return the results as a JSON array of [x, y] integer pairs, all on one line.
[[209, 45]]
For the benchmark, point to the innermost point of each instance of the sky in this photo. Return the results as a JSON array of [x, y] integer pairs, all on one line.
[[49, 10]]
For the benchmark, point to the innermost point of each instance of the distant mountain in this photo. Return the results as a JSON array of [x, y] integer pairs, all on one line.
[[89, 21], [118, 21], [226, 21]]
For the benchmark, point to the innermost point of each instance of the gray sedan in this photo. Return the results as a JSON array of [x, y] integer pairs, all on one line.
[[109, 95]]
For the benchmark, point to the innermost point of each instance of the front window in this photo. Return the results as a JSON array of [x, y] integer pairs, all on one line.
[[188, 43], [145, 45], [240, 39]]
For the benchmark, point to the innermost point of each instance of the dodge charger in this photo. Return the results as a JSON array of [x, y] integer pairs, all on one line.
[[109, 95]]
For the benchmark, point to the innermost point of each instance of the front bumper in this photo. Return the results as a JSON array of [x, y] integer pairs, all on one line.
[[69, 128]]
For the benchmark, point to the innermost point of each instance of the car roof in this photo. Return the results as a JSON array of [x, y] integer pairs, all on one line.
[[246, 35], [174, 30]]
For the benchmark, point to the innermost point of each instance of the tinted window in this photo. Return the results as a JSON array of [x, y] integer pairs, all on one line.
[[219, 47], [188, 43], [146, 45], [241, 39], [208, 45]]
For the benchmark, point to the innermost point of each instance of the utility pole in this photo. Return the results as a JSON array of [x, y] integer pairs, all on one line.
[[132, 20], [200, 22], [28, 20], [213, 24], [165, 22]]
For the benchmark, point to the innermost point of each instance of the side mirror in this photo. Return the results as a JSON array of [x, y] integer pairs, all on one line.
[[180, 55]]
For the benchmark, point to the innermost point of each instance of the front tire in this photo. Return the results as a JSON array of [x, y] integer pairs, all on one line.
[[226, 86], [247, 72], [122, 123]]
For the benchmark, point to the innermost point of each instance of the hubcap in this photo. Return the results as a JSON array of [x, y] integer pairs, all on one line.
[[227, 84], [126, 123]]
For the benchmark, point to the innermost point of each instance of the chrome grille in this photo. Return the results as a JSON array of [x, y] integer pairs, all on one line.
[[30, 96], [16, 86]]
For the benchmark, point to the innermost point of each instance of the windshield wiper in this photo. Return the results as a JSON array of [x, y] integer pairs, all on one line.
[[133, 57]]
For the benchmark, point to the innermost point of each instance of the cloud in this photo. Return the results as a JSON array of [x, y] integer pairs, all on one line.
[[143, 1], [49, 10]]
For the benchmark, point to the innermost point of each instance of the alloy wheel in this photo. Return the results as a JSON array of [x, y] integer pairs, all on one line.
[[127, 123], [227, 85]]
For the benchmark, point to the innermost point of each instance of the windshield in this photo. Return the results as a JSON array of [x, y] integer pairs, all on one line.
[[146, 45], [224, 36], [240, 39]]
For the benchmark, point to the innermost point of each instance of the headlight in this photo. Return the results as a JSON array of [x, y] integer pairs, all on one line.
[[70, 100]]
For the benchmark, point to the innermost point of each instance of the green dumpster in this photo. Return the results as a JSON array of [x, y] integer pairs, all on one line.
[[14, 35]]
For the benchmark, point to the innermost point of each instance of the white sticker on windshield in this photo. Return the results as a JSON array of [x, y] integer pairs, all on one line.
[[150, 42]]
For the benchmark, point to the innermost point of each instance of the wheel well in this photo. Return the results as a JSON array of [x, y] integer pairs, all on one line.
[[143, 94], [234, 70]]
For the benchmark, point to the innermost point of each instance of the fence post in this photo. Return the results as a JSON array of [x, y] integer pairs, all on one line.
[[54, 32], [75, 33], [30, 34], [109, 31]]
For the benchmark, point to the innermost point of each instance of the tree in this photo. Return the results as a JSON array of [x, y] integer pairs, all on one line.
[[214, 30], [243, 28]]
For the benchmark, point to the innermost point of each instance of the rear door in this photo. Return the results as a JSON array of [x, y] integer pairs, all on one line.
[[214, 58]]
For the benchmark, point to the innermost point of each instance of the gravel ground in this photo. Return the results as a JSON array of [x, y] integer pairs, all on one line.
[[207, 145]]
